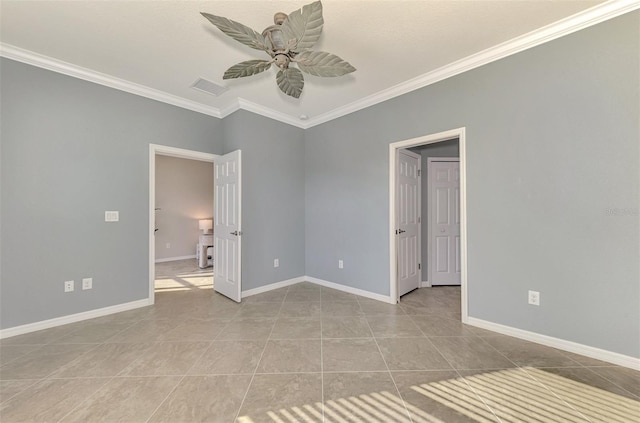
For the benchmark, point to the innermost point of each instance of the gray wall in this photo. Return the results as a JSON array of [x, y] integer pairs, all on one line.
[[71, 150], [184, 194], [552, 144], [272, 197], [449, 148]]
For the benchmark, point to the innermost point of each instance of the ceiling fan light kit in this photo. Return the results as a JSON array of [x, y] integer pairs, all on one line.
[[287, 42]]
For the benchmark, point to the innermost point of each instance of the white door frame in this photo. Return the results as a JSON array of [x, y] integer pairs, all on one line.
[[163, 150], [458, 133], [430, 161]]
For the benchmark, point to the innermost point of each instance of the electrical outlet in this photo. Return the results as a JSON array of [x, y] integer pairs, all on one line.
[[340, 264], [68, 286], [87, 283], [534, 298], [276, 262]]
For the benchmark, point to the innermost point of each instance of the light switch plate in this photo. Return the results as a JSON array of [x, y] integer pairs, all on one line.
[[111, 216]]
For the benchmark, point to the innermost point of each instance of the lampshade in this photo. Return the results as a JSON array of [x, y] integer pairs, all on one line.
[[205, 225]]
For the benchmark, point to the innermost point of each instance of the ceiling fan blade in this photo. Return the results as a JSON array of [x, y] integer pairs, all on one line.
[[238, 32], [320, 63], [304, 25], [247, 68], [290, 81]]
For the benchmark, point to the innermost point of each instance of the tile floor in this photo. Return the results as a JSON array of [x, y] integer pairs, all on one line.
[[300, 354]]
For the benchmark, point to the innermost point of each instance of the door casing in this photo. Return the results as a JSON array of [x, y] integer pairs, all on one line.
[[458, 133]]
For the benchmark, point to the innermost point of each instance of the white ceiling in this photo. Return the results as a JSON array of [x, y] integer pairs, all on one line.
[[167, 45]]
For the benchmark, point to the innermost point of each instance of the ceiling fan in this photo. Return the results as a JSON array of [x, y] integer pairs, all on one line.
[[287, 42]]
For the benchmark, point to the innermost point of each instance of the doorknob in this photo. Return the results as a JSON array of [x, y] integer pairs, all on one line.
[[400, 231], [236, 233]]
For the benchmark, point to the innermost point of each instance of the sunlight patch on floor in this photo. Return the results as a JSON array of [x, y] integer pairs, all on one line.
[[514, 395]]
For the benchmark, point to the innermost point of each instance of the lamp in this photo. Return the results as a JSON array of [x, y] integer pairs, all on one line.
[[205, 225]]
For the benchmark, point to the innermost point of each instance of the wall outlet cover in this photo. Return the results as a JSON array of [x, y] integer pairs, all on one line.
[[68, 286], [87, 283]]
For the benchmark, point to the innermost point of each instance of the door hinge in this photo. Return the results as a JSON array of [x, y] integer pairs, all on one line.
[[419, 172], [419, 219], [419, 266]]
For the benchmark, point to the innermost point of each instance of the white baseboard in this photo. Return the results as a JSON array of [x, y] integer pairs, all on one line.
[[350, 290], [316, 281], [72, 318], [163, 260], [272, 286], [425, 284], [561, 344]]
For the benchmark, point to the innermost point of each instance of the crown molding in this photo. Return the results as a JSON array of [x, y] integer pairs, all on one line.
[[577, 22], [270, 113], [35, 59], [569, 25]]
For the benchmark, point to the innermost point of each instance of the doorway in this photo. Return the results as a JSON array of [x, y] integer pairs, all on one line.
[[394, 148], [184, 271]]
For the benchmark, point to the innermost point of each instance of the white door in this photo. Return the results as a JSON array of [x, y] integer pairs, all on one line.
[[444, 231], [227, 225], [408, 214]]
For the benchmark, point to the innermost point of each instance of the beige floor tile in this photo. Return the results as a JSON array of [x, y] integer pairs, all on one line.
[[44, 361], [411, 354], [441, 396], [301, 309], [358, 355], [166, 359], [259, 310], [136, 398], [296, 328], [582, 387], [10, 388], [9, 353], [393, 326], [286, 396], [41, 337], [291, 356], [345, 327], [524, 353], [229, 357], [94, 333], [373, 307], [204, 399], [145, 331], [341, 308], [104, 361], [305, 295], [513, 395], [49, 400], [247, 328], [623, 377], [367, 397], [197, 330], [470, 353], [433, 325], [275, 296], [328, 294]]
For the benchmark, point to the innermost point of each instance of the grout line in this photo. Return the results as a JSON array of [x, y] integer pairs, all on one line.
[[255, 371], [86, 400], [406, 410], [204, 351]]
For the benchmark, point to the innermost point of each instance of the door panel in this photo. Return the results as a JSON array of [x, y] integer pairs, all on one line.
[[227, 229], [445, 226], [408, 215]]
